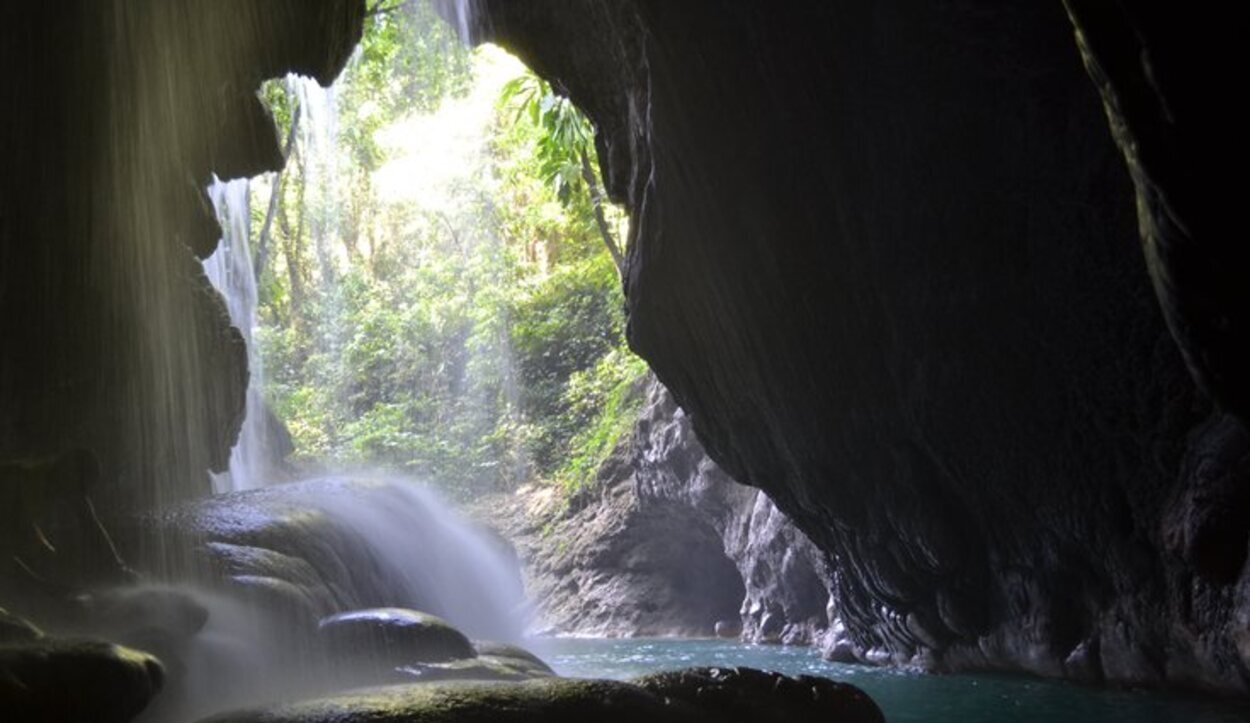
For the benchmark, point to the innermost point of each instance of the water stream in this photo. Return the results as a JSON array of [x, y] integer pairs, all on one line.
[[905, 697]]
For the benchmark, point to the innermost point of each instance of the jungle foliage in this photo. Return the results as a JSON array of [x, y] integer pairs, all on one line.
[[473, 336]]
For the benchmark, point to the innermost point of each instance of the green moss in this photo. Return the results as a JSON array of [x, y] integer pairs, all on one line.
[[610, 396]]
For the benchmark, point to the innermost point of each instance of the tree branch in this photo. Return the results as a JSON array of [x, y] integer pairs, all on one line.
[[383, 9]]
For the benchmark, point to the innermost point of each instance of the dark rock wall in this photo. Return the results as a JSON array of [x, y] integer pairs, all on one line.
[[1153, 69], [116, 115], [886, 255]]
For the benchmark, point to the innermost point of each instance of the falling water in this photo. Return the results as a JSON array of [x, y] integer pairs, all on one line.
[[462, 14], [231, 273], [339, 545], [318, 135]]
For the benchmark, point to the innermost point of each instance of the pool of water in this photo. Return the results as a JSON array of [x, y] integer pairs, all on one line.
[[904, 697]]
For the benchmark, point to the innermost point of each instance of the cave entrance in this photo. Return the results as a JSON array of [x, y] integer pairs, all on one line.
[[432, 284]]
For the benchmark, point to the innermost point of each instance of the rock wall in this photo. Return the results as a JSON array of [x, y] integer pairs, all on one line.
[[786, 580], [887, 257], [664, 543]]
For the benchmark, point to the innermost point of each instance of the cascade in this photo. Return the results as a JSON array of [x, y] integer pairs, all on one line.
[[231, 273], [339, 545]]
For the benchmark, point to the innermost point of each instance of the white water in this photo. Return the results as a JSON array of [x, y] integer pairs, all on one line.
[[340, 545], [462, 14], [231, 273], [432, 558]]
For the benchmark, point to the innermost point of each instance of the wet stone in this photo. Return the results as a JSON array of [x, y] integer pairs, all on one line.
[[394, 636]]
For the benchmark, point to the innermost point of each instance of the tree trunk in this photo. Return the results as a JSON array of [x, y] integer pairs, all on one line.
[[597, 200], [275, 197]]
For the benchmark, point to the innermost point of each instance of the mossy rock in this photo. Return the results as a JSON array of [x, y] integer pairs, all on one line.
[[482, 668], [701, 695], [550, 700], [508, 650], [394, 637], [69, 681], [745, 695]]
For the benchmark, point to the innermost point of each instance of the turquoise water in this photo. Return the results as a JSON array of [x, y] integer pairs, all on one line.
[[904, 697]]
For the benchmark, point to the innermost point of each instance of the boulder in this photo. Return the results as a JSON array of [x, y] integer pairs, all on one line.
[[481, 668], [754, 696], [394, 636], [160, 620], [70, 681], [684, 697], [513, 652]]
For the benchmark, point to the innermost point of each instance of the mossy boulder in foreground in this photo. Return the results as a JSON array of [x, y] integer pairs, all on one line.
[[71, 681], [754, 696], [730, 695]]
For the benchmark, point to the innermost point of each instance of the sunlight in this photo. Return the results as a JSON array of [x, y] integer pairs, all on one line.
[[430, 153]]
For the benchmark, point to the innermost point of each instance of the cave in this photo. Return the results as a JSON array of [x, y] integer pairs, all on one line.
[[944, 285]]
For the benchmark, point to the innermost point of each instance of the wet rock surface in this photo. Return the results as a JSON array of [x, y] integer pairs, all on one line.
[[744, 694], [69, 681], [685, 697], [510, 652], [482, 668], [393, 636]]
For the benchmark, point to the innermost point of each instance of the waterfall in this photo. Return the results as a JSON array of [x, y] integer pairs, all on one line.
[[297, 552], [462, 14], [231, 273], [319, 148]]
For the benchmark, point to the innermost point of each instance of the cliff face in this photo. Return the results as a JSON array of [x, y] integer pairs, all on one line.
[[666, 543], [786, 580], [886, 255]]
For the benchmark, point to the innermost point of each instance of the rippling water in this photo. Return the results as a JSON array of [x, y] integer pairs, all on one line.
[[905, 697]]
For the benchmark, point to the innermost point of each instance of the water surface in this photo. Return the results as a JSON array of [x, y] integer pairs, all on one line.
[[904, 697]]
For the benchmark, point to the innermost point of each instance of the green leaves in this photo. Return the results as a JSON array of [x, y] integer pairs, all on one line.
[[565, 135], [477, 344]]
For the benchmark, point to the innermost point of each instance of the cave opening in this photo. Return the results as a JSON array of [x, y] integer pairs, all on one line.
[[431, 285]]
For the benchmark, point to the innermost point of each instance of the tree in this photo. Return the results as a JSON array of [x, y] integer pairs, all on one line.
[[564, 149]]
